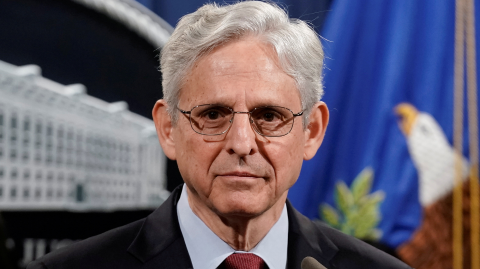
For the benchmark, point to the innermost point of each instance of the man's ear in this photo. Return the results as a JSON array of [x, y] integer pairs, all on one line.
[[315, 132], [164, 126]]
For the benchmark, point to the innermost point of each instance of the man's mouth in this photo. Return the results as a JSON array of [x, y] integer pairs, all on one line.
[[238, 174]]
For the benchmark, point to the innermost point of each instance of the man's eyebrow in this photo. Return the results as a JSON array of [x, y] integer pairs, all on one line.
[[231, 103], [266, 103], [220, 103]]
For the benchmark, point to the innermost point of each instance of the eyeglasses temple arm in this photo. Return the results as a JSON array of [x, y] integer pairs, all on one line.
[[189, 112], [299, 113]]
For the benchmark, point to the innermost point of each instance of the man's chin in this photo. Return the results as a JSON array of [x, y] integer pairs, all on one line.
[[239, 213], [241, 209]]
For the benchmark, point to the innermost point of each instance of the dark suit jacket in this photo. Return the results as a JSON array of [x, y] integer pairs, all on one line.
[[156, 242]]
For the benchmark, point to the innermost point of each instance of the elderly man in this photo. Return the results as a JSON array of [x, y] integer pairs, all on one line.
[[240, 113]]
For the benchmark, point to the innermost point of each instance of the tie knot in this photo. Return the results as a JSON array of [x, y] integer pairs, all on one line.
[[244, 261]]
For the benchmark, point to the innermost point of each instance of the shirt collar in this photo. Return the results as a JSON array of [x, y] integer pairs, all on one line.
[[208, 251]]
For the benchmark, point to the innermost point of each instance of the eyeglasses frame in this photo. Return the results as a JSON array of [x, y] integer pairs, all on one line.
[[252, 123]]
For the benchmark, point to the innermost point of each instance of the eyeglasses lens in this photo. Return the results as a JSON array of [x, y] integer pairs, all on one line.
[[267, 121], [210, 119]]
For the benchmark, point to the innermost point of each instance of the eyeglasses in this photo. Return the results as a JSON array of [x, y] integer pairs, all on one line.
[[269, 121]]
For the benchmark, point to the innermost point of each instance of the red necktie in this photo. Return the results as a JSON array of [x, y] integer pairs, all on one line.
[[244, 261]]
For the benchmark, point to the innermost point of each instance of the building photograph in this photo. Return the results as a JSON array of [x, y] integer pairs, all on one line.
[[63, 149]]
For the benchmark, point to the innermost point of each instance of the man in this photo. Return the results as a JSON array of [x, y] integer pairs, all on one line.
[[240, 114]]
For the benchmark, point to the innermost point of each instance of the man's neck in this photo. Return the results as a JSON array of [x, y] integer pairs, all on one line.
[[240, 232]]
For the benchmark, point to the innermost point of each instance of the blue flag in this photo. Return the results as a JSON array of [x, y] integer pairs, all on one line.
[[380, 54]]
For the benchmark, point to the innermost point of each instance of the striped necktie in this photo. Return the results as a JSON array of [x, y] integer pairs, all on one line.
[[243, 261]]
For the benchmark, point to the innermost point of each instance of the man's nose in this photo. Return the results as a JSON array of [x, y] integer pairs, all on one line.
[[241, 136]]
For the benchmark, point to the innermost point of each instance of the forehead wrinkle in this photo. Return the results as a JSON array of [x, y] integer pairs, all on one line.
[[222, 62], [251, 75]]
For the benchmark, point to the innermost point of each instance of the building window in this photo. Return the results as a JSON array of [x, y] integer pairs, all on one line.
[[13, 192], [13, 121], [26, 175], [38, 157], [49, 129], [49, 159], [26, 193], [26, 124], [26, 140], [13, 136], [38, 141], [38, 127], [13, 154], [50, 177], [13, 127], [38, 193], [60, 144], [26, 132], [38, 176], [38, 134], [49, 136], [14, 174]]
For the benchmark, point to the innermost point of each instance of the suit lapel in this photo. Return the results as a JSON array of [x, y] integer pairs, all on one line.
[[159, 243], [306, 239]]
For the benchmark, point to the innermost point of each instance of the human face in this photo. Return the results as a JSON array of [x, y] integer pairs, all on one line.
[[240, 172]]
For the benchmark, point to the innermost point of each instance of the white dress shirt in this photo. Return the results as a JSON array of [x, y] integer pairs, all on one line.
[[207, 250]]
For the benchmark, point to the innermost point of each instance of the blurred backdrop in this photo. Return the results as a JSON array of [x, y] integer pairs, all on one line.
[[79, 156]]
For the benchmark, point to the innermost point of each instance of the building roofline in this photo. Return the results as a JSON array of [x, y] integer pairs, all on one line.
[[79, 93], [135, 16]]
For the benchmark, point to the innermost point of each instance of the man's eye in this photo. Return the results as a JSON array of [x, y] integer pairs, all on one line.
[[212, 115], [268, 116]]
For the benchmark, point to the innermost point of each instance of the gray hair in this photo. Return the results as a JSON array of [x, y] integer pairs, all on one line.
[[296, 43]]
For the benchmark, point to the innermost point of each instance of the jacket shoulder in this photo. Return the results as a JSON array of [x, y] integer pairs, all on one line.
[[107, 250], [354, 252]]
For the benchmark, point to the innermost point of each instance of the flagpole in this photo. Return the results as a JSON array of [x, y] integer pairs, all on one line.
[[458, 134]]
